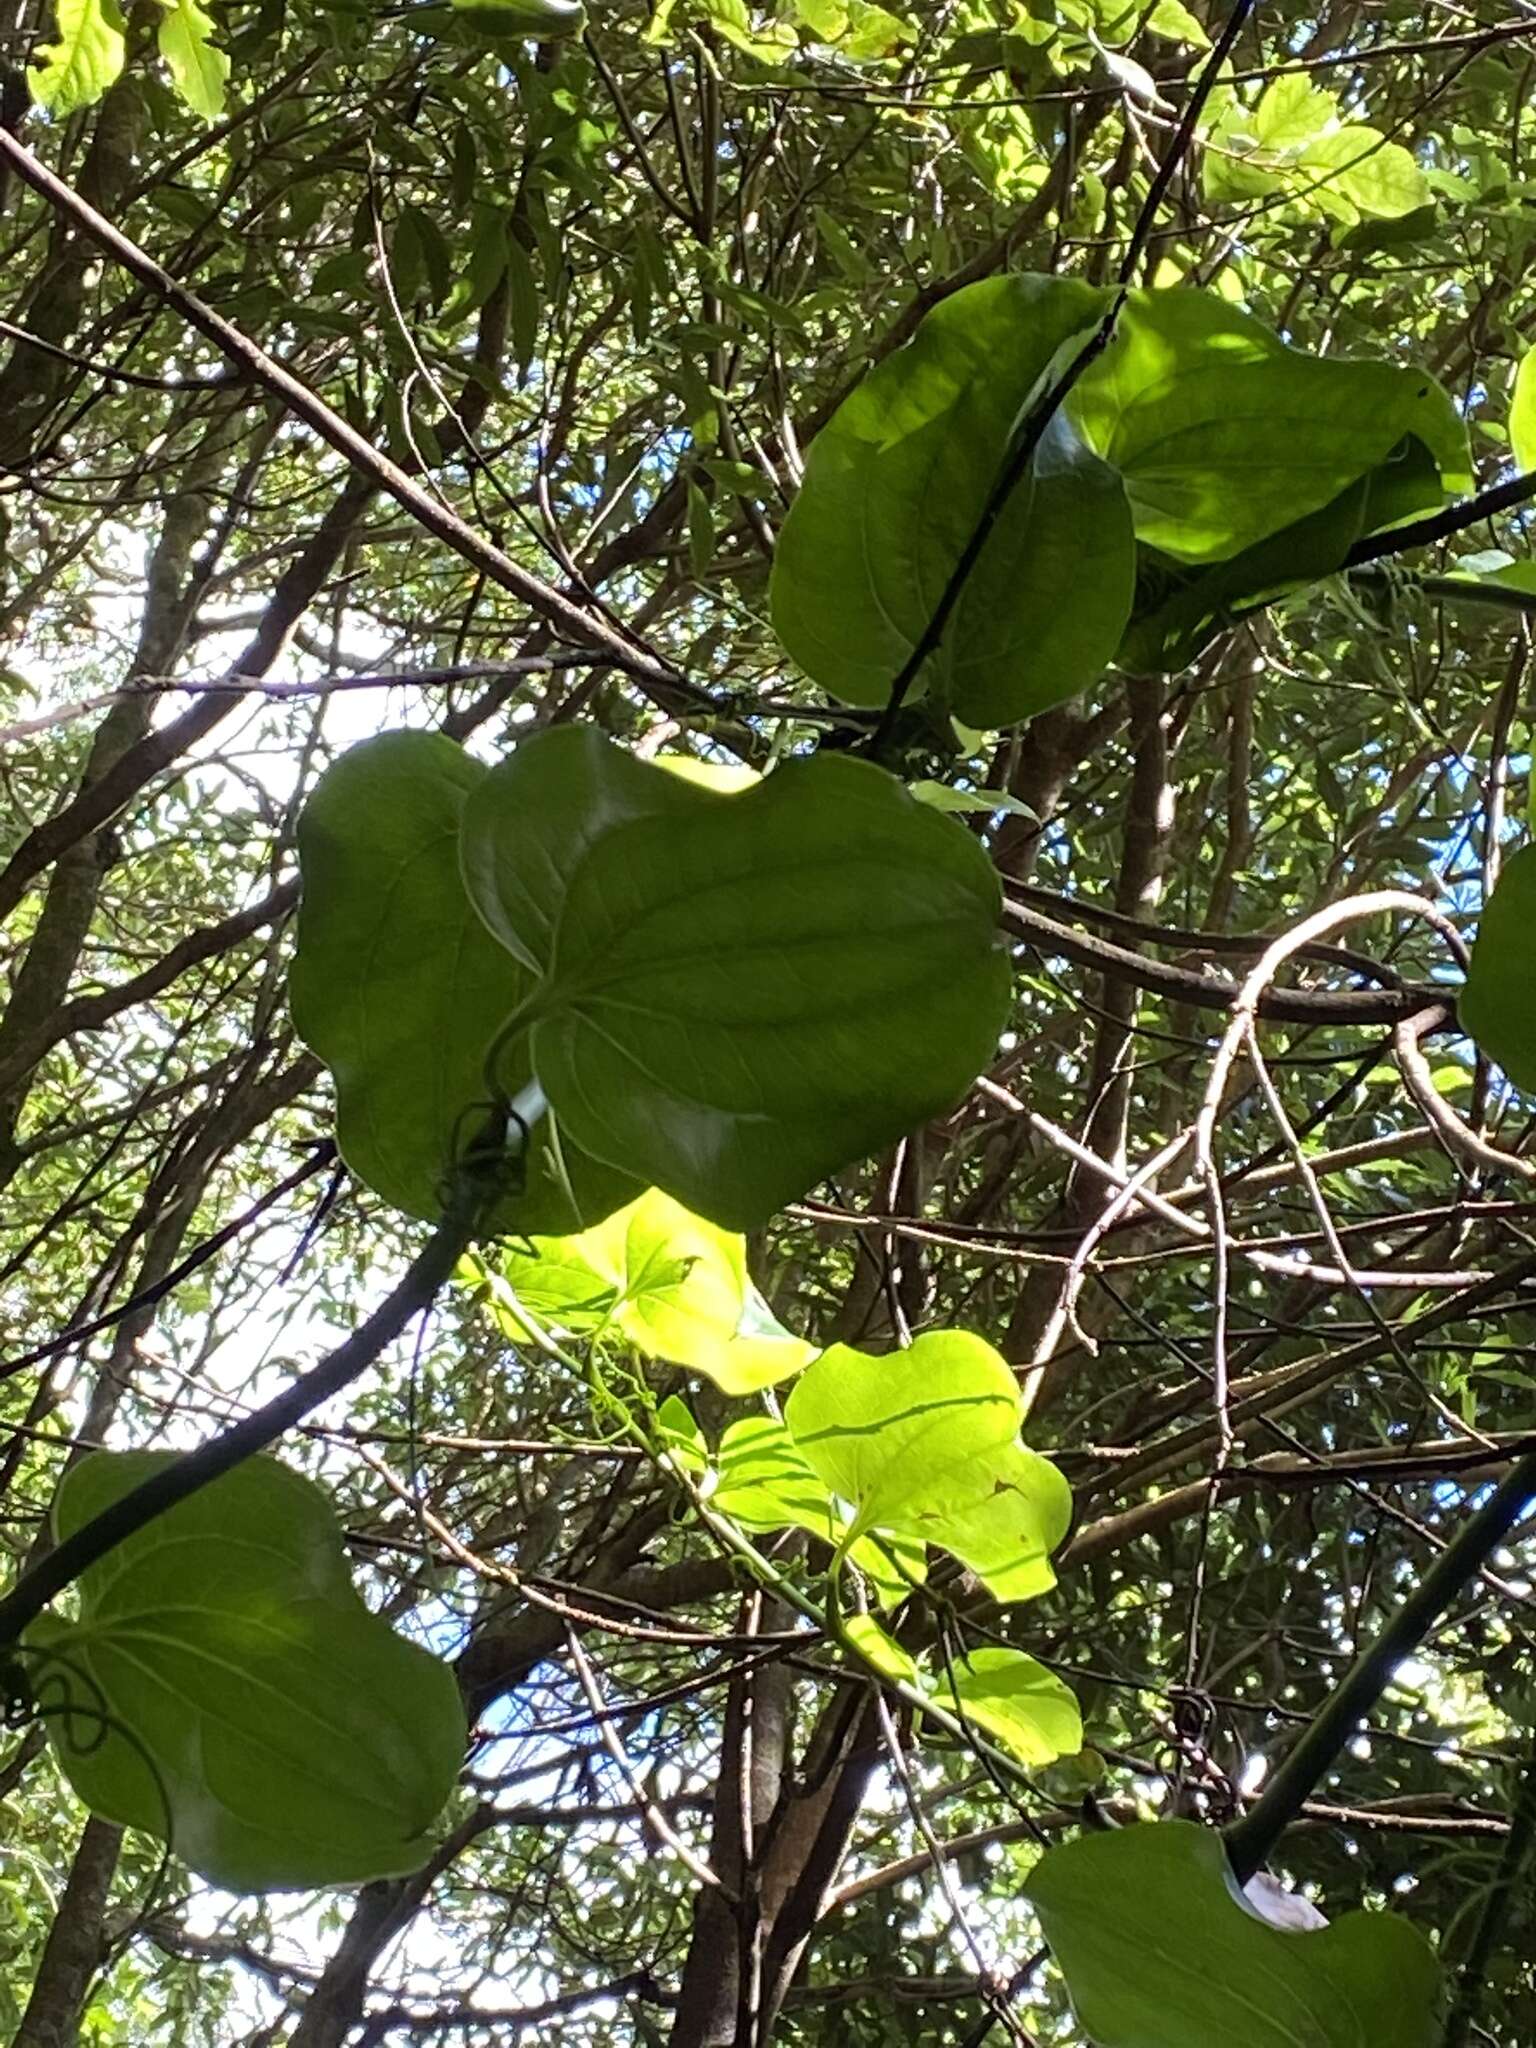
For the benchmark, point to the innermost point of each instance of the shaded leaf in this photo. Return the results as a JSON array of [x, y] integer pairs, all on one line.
[[893, 490], [399, 988], [1498, 1003], [1159, 1950], [736, 994], [295, 1739]]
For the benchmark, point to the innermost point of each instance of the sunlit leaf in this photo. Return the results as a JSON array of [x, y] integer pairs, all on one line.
[[893, 490], [910, 1437], [1014, 1698], [1522, 413], [763, 1483], [673, 1285], [1007, 1536], [880, 1650], [199, 68], [75, 71], [1225, 435]]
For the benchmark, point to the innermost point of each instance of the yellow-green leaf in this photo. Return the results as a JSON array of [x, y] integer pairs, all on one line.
[[1522, 413], [88, 57], [200, 71]]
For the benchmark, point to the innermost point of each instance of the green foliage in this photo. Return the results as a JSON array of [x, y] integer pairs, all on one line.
[[540, 20], [1498, 1002], [1295, 141], [1522, 413], [400, 989], [199, 70], [1249, 468], [1226, 436], [632, 275], [894, 487], [1160, 1951], [1181, 607], [87, 59], [879, 1457], [1012, 1697], [224, 1688], [920, 1446], [735, 995], [664, 1280], [83, 63]]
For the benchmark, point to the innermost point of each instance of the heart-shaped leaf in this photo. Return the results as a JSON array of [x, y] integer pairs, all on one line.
[[736, 994], [1179, 607], [1160, 1950], [1008, 1536], [761, 1482], [1224, 435], [675, 1286], [908, 1438], [224, 1687], [1014, 1698], [400, 989], [895, 486]]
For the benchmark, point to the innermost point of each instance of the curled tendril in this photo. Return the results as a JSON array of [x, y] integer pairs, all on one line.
[[61, 1691]]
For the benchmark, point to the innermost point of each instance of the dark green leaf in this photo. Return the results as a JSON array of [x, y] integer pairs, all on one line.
[[294, 1738], [736, 994], [894, 488], [1159, 1950], [400, 990], [1498, 1003]]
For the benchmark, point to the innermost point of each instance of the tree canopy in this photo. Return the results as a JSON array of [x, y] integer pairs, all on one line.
[[770, 999]]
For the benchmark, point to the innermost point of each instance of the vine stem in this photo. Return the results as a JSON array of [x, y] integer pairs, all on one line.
[[477, 1180], [1250, 1841]]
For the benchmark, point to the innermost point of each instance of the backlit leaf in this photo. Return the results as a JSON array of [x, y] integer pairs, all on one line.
[[675, 1286], [1224, 435], [1522, 413], [1014, 1698], [736, 995], [199, 69], [893, 490], [75, 71], [911, 1437], [225, 1688]]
